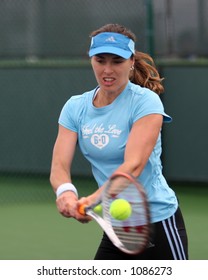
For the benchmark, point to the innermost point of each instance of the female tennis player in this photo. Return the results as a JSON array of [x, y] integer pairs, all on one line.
[[118, 128]]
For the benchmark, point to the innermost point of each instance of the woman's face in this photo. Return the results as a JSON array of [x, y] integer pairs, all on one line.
[[111, 72]]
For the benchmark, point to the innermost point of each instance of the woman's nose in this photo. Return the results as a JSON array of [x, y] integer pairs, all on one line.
[[108, 68]]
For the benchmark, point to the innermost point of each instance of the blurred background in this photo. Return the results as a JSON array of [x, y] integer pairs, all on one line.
[[43, 61]]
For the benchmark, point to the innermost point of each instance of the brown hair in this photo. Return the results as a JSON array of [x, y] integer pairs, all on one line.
[[145, 73]]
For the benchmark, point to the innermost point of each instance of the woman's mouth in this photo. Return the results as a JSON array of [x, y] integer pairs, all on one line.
[[108, 81]]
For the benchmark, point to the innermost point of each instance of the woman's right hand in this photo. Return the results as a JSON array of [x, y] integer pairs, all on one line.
[[67, 204]]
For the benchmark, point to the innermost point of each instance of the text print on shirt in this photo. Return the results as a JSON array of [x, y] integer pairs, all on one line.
[[99, 135]]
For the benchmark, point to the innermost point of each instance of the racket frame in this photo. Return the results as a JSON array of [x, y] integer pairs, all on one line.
[[106, 226]]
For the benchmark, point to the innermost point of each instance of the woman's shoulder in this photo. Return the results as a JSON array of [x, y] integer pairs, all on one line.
[[147, 102], [76, 104], [139, 91], [74, 109], [81, 98]]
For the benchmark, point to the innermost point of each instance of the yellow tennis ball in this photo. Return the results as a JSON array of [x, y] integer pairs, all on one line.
[[98, 209], [120, 209]]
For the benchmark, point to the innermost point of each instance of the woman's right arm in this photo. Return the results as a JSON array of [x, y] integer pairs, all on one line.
[[63, 154]]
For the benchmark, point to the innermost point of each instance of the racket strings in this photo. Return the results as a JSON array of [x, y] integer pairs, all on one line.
[[133, 232], [132, 237]]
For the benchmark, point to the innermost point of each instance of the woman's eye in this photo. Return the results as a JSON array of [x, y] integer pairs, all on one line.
[[118, 61], [100, 61]]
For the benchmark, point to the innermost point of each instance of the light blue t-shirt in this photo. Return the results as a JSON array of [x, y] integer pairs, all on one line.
[[102, 136]]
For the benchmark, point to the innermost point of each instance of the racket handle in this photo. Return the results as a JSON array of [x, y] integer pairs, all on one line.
[[81, 209]]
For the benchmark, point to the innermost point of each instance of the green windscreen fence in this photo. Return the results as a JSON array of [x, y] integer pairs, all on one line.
[[186, 138], [32, 96], [43, 61], [31, 101]]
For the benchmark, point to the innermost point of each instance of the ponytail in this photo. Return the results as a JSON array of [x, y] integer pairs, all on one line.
[[145, 73]]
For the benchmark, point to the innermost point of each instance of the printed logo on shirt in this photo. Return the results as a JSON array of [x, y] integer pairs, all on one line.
[[99, 135], [100, 140]]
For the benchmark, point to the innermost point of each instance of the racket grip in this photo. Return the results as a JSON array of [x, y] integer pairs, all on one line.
[[81, 209]]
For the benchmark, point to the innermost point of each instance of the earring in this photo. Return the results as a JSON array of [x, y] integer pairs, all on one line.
[[132, 67]]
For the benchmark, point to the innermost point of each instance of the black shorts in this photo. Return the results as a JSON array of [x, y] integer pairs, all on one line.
[[169, 242]]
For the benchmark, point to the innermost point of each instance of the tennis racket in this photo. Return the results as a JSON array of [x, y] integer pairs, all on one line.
[[132, 234]]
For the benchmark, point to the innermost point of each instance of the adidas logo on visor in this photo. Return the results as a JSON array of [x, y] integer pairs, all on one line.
[[110, 39]]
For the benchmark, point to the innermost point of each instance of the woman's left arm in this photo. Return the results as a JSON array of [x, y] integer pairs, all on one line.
[[140, 143]]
